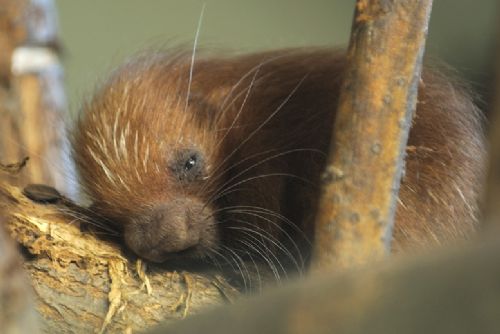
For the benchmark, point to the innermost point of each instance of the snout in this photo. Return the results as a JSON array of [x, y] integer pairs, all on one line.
[[170, 230]]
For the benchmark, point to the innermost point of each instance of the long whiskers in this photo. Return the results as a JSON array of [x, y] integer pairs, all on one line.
[[257, 271], [249, 89], [273, 258], [274, 240], [252, 233], [262, 162], [217, 196], [249, 244], [262, 210], [223, 106], [82, 218], [244, 275], [253, 133]]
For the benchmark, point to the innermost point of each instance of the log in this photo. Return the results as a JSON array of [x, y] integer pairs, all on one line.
[[86, 282], [376, 104]]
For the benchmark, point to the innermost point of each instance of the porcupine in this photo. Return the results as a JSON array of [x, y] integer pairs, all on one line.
[[225, 156]]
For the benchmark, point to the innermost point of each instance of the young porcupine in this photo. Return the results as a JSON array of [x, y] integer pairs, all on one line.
[[226, 158]]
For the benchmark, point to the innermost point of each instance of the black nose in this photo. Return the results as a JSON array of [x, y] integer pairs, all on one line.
[[164, 230]]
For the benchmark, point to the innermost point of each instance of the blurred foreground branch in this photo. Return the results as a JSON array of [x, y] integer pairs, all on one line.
[[447, 292]]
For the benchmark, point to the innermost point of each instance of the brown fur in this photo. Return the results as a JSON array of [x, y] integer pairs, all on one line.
[[260, 123]]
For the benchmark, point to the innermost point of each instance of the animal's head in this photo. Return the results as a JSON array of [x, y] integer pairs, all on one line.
[[144, 155]]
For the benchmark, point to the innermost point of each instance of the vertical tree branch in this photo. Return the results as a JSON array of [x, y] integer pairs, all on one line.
[[375, 110], [11, 35], [32, 75]]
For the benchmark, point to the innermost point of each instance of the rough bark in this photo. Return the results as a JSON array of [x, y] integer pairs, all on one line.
[[376, 104], [84, 283]]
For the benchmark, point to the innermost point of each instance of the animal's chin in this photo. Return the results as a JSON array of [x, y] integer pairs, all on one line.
[[157, 255]]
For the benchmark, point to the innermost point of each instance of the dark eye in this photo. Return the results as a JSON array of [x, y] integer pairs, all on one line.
[[188, 165]]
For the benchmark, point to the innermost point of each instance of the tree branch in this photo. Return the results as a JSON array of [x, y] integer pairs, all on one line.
[[32, 79], [376, 105], [84, 282]]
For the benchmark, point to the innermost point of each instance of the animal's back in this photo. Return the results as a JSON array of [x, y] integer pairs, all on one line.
[[439, 191]]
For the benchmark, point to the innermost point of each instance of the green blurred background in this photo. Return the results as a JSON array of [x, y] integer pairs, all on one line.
[[98, 34]]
